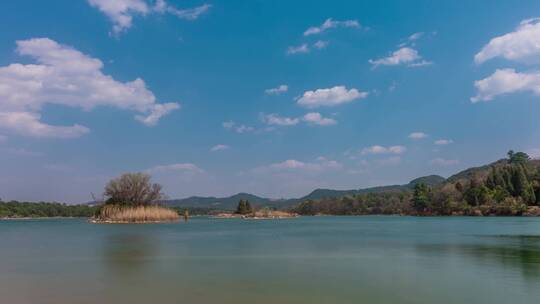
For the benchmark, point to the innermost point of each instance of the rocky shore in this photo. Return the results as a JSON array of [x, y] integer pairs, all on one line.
[[258, 215]]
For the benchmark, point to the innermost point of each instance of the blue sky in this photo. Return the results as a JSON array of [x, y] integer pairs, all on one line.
[[275, 98]]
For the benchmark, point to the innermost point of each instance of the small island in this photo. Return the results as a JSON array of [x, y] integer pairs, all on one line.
[[246, 211], [131, 198]]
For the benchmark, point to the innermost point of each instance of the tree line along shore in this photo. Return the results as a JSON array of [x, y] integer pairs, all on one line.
[[508, 187]]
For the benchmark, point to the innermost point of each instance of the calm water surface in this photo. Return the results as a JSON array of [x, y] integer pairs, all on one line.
[[305, 260]]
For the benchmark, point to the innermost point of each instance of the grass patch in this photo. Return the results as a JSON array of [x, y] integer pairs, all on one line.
[[138, 214]]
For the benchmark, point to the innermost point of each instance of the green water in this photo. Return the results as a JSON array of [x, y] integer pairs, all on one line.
[[304, 260]]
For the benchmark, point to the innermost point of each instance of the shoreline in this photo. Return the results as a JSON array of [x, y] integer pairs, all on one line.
[[532, 212], [111, 222], [27, 218]]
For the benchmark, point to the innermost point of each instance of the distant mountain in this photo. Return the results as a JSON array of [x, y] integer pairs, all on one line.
[[222, 203], [430, 180], [230, 203]]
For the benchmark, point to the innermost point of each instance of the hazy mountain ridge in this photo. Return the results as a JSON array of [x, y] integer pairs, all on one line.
[[230, 202]]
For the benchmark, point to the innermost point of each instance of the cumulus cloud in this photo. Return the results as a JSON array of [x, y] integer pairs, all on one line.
[[300, 49], [277, 90], [159, 111], [329, 97], [295, 165], [231, 125], [312, 118], [187, 14], [506, 81], [415, 36], [305, 48], [121, 12], [330, 24], [219, 147], [444, 162], [317, 119], [28, 124], [376, 149], [522, 45], [418, 135], [65, 76], [274, 119], [404, 55], [443, 142], [178, 167], [320, 44]]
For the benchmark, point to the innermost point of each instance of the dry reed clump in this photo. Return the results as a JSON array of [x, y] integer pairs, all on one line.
[[138, 214]]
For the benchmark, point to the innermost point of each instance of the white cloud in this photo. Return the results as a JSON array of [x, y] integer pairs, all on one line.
[[274, 119], [219, 147], [443, 142], [295, 165], [28, 124], [159, 111], [231, 125], [415, 36], [522, 45], [444, 162], [179, 167], [277, 90], [376, 149], [190, 13], [65, 76], [305, 48], [418, 135], [228, 124], [506, 81], [300, 49], [320, 44], [121, 12], [329, 24], [312, 118], [329, 97], [244, 129], [317, 119], [404, 55]]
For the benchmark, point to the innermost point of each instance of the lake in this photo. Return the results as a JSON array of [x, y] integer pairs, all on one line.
[[371, 259]]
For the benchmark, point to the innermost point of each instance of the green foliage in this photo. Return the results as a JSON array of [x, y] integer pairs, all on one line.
[[420, 197], [244, 207], [15, 209], [506, 187], [394, 202], [518, 157]]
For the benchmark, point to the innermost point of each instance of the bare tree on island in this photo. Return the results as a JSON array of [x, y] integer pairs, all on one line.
[[132, 198], [134, 189]]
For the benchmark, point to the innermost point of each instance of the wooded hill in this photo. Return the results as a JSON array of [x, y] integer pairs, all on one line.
[[509, 186], [231, 202]]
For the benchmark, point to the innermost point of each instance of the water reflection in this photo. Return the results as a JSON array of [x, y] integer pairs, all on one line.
[[128, 253], [518, 252]]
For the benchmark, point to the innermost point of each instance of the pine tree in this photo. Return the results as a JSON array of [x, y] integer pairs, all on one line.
[[420, 197], [249, 209]]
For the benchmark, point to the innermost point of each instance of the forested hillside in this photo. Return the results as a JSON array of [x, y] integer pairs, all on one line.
[[509, 186], [15, 209]]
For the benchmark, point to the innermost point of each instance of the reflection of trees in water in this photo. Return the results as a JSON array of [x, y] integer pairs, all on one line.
[[521, 252], [128, 252]]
